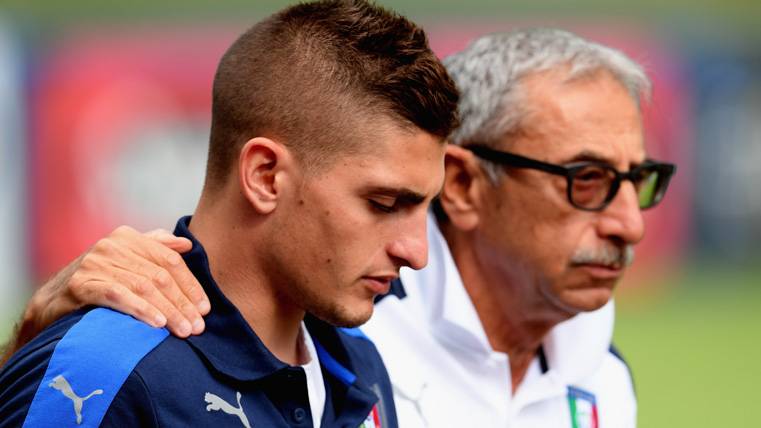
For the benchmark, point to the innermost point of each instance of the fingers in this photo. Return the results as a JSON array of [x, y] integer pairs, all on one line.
[[122, 299], [176, 315], [182, 316], [148, 271], [190, 287], [168, 277], [166, 238], [113, 291], [116, 296], [188, 283], [99, 283], [175, 281]]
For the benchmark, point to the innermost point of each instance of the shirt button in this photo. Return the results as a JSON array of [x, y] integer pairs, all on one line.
[[299, 415]]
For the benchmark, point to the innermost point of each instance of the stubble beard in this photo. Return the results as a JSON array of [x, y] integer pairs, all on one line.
[[331, 311]]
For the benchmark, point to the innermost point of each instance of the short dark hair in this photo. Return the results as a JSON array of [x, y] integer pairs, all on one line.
[[305, 74]]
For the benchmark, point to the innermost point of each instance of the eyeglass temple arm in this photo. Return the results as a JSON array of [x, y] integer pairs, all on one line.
[[516, 161]]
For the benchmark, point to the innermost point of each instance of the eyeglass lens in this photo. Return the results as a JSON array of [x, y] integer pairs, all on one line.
[[592, 185]]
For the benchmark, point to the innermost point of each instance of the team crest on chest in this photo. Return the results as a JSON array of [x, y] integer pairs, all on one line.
[[372, 420], [583, 407]]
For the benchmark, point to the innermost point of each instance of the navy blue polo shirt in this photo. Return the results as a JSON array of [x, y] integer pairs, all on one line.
[[97, 367]]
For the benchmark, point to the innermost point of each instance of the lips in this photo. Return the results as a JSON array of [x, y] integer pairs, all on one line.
[[380, 284], [603, 271]]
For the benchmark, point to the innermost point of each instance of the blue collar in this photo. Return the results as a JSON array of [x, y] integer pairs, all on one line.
[[228, 343], [233, 348]]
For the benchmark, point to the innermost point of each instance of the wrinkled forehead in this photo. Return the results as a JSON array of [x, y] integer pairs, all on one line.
[[593, 118]]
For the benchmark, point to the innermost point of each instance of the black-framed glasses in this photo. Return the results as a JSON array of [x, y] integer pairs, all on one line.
[[593, 185]]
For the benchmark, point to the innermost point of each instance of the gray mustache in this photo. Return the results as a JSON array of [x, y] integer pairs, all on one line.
[[608, 256]]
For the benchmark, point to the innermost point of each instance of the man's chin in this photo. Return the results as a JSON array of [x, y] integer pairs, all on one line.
[[343, 317], [588, 299]]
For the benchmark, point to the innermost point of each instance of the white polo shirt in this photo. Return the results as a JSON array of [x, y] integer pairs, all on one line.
[[445, 373]]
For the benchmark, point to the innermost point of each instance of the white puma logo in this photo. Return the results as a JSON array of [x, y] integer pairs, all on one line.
[[415, 401], [60, 383], [216, 403]]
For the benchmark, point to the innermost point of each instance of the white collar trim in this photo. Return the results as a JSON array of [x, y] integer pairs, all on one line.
[[574, 348]]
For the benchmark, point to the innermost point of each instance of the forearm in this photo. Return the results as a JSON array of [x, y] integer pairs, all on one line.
[[37, 313], [138, 274]]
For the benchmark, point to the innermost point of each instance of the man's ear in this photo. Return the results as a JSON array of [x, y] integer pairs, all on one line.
[[461, 196], [264, 167]]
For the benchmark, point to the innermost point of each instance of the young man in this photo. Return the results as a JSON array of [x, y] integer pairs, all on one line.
[[309, 209]]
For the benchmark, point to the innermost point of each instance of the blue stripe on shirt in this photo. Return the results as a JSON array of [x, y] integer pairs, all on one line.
[[94, 359], [333, 366]]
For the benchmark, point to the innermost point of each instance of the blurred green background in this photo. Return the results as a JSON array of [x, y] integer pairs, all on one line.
[[689, 316], [694, 348]]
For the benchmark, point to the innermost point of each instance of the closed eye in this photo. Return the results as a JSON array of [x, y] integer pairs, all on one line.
[[390, 200], [385, 206]]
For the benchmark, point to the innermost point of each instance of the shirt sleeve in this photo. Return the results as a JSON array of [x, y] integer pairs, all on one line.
[[19, 381], [73, 380]]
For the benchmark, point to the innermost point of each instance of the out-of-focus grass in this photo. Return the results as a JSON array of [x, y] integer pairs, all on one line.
[[696, 350]]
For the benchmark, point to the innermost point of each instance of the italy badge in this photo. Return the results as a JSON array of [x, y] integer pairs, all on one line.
[[372, 420], [583, 407]]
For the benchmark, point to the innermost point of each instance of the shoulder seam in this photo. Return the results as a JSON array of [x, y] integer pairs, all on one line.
[[148, 393]]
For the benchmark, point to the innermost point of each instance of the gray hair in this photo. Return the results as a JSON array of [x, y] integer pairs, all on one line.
[[488, 73]]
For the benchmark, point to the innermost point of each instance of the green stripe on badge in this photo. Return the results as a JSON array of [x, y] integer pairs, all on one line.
[[574, 415]]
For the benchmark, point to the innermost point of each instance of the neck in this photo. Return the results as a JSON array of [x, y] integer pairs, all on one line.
[[513, 324], [235, 262]]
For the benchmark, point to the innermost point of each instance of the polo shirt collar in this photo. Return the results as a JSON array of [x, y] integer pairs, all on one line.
[[228, 342], [233, 348], [451, 314], [574, 349]]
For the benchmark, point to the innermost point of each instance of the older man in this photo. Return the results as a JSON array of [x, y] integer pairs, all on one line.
[[511, 322], [309, 209]]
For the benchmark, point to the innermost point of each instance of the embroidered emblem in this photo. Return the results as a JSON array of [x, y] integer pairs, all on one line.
[[380, 407], [583, 406], [217, 403], [60, 383], [372, 420]]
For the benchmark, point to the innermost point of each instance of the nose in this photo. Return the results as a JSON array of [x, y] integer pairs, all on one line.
[[622, 219], [410, 244]]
